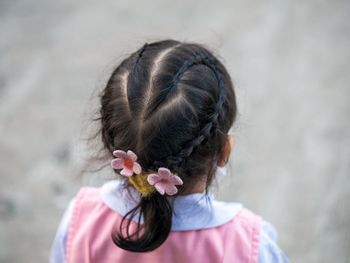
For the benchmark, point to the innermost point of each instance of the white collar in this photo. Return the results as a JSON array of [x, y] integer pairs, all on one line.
[[191, 212]]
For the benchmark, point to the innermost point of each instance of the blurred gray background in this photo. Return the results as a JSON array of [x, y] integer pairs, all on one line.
[[289, 61]]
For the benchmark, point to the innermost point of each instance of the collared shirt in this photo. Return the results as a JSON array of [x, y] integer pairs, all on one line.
[[208, 213]]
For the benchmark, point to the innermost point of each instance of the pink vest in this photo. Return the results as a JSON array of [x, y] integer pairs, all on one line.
[[89, 238]]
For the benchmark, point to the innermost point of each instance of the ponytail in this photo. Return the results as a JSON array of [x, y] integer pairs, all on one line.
[[157, 215]]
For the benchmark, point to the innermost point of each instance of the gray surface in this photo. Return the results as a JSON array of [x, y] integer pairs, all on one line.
[[290, 64]]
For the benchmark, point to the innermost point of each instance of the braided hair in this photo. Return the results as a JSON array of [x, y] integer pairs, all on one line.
[[172, 103], [212, 119]]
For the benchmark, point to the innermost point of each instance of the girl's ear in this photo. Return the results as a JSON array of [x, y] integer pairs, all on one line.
[[226, 152]]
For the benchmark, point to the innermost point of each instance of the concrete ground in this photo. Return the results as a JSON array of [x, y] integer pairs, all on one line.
[[289, 61]]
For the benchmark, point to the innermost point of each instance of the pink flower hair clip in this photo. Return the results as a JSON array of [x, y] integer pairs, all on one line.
[[164, 181], [127, 162]]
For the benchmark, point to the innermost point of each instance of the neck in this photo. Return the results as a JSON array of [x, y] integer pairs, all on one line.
[[198, 188]]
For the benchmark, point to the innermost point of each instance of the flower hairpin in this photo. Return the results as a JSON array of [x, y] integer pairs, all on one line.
[[164, 181], [127, 162]]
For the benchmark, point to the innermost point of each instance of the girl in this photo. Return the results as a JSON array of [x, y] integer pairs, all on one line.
[[165, 115]]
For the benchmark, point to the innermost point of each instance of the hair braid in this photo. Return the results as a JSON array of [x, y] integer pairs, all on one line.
[[205, 131]]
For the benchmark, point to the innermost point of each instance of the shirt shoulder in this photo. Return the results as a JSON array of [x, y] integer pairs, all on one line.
[[58, 247], [85, 196], [269, 251]]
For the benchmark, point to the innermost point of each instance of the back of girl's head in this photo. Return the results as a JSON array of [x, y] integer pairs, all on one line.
[[172, 103]]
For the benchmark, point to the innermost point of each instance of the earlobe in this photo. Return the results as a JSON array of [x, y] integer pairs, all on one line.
[[230, 140], [227, 150]]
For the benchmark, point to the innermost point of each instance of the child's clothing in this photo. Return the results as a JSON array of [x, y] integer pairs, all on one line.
[[203, 230]]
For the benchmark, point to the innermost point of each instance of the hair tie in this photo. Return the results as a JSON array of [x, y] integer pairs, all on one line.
[[163, 181]]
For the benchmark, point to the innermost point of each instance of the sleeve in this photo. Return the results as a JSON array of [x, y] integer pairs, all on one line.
[[58, 248], [269, 252]]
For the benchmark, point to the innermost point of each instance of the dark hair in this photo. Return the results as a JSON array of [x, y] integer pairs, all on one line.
[[172, 103]]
